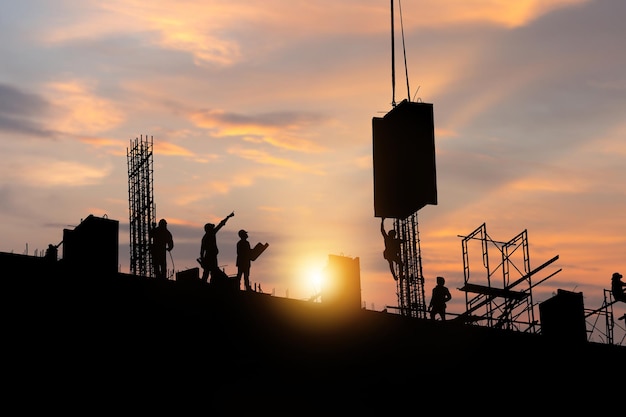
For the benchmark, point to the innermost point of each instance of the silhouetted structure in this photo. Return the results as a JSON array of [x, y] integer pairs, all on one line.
[[341, 286], [404, 160], [146, 333], [605, 312], [190, 276], [89, 324], [505, 301], [141, 205], [563, 318], [52, 253], [404, 182], [92, 247]]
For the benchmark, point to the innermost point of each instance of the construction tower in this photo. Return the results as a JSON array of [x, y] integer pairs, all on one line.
[[404, 182], [142, 210], [410, 284]]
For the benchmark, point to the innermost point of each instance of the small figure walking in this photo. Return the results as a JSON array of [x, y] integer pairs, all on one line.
[[244, 260], [617, 287], [440, 296], [161, 242], [209, 250], [392, 248]]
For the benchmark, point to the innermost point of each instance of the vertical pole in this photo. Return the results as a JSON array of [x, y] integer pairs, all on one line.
[[393, 60]]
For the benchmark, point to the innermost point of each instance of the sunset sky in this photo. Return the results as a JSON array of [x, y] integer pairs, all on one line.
[[265, 108]]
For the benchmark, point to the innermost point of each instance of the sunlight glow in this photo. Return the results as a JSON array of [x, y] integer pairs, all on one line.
[[310, 270]]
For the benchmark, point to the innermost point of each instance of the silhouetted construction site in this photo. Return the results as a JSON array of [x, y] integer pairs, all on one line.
[[182, 326], [79, 316], [80, 294]]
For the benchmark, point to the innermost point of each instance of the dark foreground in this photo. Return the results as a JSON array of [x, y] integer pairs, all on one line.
[[78, 338]]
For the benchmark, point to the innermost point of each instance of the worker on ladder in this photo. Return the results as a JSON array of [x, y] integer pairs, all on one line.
[[393, 251]]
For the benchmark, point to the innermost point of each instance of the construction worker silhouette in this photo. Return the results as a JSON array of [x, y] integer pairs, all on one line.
[[244, 260], [392, 248], [440, 296], [161, 242], [209, 250], [617, 287]]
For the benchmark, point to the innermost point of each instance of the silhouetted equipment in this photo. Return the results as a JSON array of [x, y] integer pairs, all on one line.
[[222, 281], [188, 275], [341, 287], [219, 279], [505, 302], [404, 160], [52, 253], [92, 246], [142, 209], [404, 182], [257, 250], [410, 284], [563, 317], [605, 312]]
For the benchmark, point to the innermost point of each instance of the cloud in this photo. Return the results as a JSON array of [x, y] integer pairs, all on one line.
[[79, 109], [114, 146], [279, 129], [265, 158], [44, 173], [165, 148], [19, 111], [499, 12]]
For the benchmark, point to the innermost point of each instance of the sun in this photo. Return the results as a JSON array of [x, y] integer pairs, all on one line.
[[312, 278], [316, 279]]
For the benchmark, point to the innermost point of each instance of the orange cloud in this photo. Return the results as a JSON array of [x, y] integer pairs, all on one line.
[[165, 148], [97, 142], [266, 158], [560, 185], [499, 12], [208, 29], [79, 110], [63, 173], [282, 130]]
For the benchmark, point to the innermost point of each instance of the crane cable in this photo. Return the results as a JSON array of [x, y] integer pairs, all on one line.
[[393, 67], [406, 70]]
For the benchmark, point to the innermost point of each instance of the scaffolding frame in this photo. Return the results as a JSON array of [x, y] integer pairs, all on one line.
[[604, 313], [508, 305], [141, 206]]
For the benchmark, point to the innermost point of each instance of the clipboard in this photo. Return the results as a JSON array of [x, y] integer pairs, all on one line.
[[258, 250]]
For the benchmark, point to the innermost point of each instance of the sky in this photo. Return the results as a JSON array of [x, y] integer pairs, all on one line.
[[264, 109]]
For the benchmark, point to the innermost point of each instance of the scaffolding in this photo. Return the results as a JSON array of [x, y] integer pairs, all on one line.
[[410, 283], [603, 315], [142, 209], [505, 302]]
